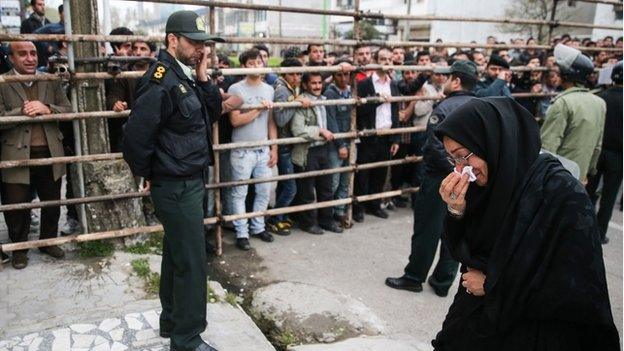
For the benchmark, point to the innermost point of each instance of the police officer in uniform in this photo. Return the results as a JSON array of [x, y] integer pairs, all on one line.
[[167, 142]]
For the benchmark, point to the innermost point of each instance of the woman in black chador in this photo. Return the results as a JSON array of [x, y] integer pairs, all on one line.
[[525, 233]]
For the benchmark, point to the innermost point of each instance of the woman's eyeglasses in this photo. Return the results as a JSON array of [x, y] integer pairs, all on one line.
[[458, 160]]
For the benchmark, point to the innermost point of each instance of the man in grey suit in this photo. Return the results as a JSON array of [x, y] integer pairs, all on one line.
[[23, 141]]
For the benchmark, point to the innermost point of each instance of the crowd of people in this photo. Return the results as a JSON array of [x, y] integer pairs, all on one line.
[[494, 76]]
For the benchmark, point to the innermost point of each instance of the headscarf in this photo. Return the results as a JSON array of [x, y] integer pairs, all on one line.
[[506, 136]]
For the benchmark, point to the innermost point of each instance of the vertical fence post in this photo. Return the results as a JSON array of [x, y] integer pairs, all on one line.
[[216, 169], [551, 26], [353, 127], [76, 123]]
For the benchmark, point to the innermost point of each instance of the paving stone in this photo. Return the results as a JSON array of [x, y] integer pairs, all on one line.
[[109, 324], [82, 328], [82, 341], [102, 347], [152, 319], [145, 334], [34, 345], [99, 341], [117, 334], [118, 347], [30, 337], [62, 341], [133, 323]]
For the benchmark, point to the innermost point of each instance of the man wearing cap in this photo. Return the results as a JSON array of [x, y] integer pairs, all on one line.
[[497, 76], [429, 209], [575, 121], [167, 142]]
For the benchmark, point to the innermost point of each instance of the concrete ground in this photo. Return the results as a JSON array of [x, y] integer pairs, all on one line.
[[357, 262]]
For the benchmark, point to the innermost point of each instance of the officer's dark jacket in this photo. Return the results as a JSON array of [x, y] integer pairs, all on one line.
[[434, 154], [168, 133]]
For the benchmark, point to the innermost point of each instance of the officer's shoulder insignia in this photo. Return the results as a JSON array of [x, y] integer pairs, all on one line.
[[434, 119], [159, 72], [182, 88]]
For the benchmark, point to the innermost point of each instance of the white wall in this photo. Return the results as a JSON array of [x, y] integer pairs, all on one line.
[[606, 15]]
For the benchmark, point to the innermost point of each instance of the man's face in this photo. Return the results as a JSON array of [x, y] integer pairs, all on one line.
[[363, 55], [24, 57], [398, 56], [451, 85], [293, 79], [551, 61], [342, 79], [602, 57], [315, 85], [384, 57], [123, 49], [554, 79], [254, 63], [504, 54], [424, 60], [409, 76], [493, 71], [439, 79], [316, 54], [479, 59], [189, 51], [491, 40], [141, 49], [330, 60], [264, 57], [608, 41], [39, 7], [534, 62]]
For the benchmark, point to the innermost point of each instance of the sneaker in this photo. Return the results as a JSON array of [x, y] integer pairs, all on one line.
[[279, 228], [20, 260], [53, 251], [243, 244], [343, 221], [390, 205], [5, 258], [290, 222], [71, 226], [264, 236]]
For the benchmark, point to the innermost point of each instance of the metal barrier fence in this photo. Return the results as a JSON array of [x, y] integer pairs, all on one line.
[[216, 185]]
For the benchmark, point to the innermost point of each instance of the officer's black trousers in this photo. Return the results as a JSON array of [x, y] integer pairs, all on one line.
[[429, 213], [371, 181], [610, 170], [178, 206]]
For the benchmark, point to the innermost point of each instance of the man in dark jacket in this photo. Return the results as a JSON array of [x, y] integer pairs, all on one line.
[[610, 161], [376, 148], [497, 77], [339, 150], [167, 142], [36, 20], [429, 209]]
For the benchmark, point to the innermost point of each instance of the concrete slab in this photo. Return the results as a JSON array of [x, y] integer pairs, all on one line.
[[369, 343]]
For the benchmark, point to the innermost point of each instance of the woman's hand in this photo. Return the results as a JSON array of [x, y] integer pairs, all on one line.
[[453, 191], [473, 281]]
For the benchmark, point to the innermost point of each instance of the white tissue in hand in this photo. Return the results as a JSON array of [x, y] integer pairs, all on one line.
[[467, 170]]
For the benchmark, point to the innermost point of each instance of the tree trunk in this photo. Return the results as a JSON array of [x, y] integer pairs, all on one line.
[[103, 177]]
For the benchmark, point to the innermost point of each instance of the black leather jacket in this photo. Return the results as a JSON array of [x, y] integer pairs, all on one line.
[[168, 133]]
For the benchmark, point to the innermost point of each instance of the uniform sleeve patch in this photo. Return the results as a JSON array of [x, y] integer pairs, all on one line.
[[159, 73]]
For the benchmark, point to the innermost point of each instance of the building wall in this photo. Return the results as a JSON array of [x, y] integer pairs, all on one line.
[[605, 14]]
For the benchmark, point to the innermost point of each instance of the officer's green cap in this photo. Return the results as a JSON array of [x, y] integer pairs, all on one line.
[[190, 25], [466, 67]]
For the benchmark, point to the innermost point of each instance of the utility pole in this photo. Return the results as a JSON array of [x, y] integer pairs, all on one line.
[[102, 177]]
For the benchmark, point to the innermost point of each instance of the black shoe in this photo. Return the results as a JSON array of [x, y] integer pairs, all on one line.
[[358, 216], [20, 260], [604, 240], [404, 283], [264, 236], [390, 206], [315, 229], [243, 244], [5, 258], [400, 202], [379, 213], [332, 227], [438, 291], [53, 251]]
